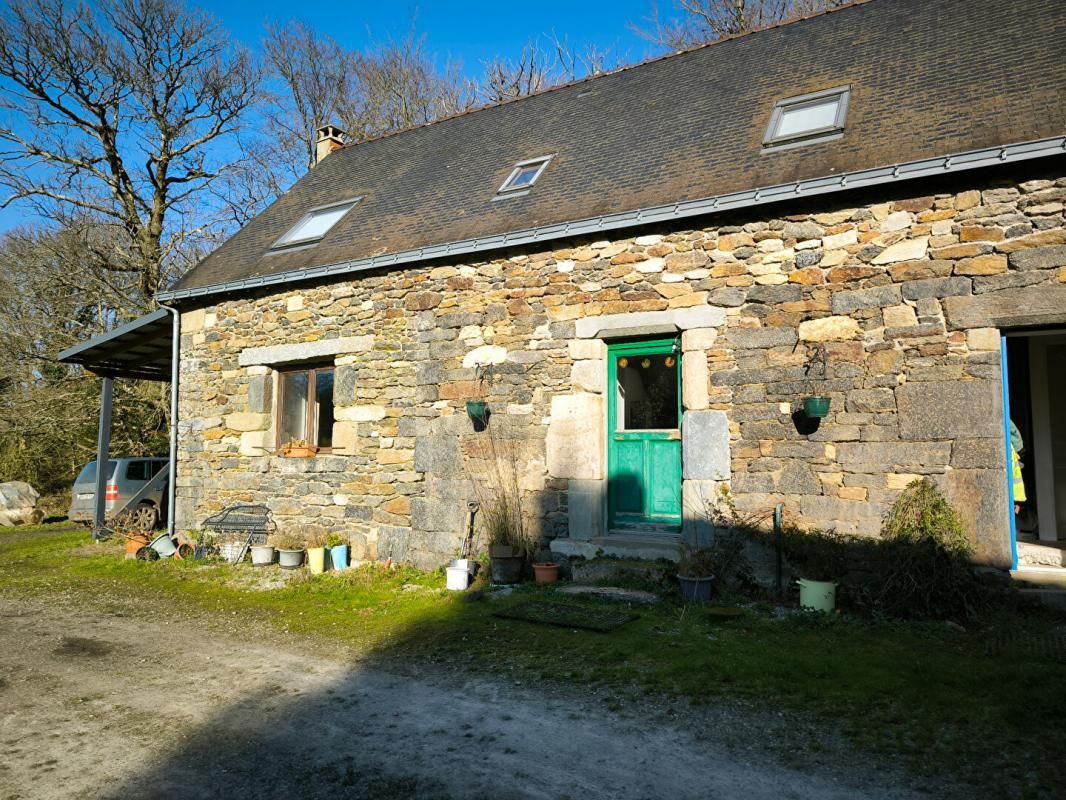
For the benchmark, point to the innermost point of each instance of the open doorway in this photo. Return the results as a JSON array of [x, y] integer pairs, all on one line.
[[1036, 379]]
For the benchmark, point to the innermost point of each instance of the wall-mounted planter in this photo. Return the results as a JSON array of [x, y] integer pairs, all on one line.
[[816, 407], [478, 411]]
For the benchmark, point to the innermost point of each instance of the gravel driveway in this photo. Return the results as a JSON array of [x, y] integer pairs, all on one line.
[[98, 704]]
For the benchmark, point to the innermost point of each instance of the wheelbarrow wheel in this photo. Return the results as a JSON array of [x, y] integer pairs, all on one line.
[[147, 554]]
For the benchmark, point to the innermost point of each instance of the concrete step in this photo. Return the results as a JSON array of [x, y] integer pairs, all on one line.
[[1041, 554], [629, 546], [1046, 584]]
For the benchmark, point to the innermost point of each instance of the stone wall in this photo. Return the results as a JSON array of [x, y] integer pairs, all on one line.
[[905, 290]]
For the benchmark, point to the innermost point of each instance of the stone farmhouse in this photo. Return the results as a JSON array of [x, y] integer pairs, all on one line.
[[644, 275]]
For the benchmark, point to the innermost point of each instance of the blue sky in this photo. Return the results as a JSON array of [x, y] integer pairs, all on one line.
[[469, 33]]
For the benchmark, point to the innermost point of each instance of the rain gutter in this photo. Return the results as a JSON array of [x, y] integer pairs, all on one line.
[[909, 170]]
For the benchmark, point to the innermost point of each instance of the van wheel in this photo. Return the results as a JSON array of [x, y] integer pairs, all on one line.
[[144, 517]]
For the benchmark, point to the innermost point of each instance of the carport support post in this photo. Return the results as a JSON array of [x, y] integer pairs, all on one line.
[[103, 452]]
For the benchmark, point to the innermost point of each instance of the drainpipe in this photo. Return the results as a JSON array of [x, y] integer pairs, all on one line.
[[777, 546], [175, 356]]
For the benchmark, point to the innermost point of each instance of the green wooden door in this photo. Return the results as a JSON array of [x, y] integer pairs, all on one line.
[[643, 435]]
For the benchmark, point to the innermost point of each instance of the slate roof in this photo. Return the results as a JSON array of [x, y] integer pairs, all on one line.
[[927, 77]]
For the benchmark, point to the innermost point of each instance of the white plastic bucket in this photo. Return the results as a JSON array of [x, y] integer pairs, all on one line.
[[818, 595], [458, 578]]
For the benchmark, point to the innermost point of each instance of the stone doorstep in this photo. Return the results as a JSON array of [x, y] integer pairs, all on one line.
[[645, 547], [1041, 554]]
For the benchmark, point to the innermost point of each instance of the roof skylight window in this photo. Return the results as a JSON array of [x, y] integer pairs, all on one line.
[[524, 175], [815, 117], [315, 224]]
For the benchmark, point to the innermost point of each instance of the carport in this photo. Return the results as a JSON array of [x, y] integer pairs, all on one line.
[[145, 349]]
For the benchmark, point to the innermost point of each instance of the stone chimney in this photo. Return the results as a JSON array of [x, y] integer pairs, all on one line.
[[330, 138]]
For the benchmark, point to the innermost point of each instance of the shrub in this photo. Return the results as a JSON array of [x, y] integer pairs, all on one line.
[[921, 567]]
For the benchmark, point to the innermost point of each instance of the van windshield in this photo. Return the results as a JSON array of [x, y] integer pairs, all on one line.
[[88, 472]]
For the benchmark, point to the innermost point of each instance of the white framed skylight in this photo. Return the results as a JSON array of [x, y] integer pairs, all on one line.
[[524, 175], [815, 117], [315, 224]]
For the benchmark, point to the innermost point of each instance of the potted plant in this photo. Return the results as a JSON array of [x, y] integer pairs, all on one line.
[[316, 552], [262, 554], [290, 550], [816, 406], [298, 448], [506, 545], [338, 551], [695, 571]]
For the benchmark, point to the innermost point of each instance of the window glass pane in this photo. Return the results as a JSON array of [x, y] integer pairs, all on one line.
[[293, 407], [324, 407], [800, 119], [316, 225], [647, 392], [88, 472], [525, 175], [137, 471]]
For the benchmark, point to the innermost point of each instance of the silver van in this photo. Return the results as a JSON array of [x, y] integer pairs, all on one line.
[[127, 478]]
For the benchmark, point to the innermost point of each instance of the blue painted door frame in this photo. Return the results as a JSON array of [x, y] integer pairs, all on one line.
[[1004, 375]]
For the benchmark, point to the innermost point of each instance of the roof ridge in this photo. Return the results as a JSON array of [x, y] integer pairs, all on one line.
[[624, 68]]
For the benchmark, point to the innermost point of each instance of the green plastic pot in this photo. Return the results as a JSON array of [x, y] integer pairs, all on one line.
[[816, 406], [476, 410]]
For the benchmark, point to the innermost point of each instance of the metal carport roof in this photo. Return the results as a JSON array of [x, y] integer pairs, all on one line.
[[141, 349]]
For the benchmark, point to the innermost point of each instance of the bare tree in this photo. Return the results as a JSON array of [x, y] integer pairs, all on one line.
[[57, 288], [120, 112], [398, 86], [535, 69], [697, 22], [315, 81], [544, 62], [314, 77]]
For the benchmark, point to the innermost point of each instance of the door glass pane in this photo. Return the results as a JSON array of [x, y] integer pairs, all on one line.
[[647, 392], [324, 407], [293, 407]]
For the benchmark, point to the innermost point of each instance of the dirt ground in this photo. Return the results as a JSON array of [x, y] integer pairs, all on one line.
[[94, 703]]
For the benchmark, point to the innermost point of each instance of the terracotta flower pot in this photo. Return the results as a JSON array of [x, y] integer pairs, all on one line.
[[135, 543], [547, 572]]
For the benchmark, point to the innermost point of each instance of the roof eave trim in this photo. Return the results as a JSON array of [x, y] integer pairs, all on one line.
[[938, 165]]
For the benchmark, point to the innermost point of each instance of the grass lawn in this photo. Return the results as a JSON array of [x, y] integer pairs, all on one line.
[[985, 704]]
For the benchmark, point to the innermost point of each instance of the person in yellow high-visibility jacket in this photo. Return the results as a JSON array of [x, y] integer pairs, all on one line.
[[1016, 478]]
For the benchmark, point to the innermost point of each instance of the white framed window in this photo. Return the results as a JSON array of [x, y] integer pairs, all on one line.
[[315, 224], [815, 117], [524, 175]]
